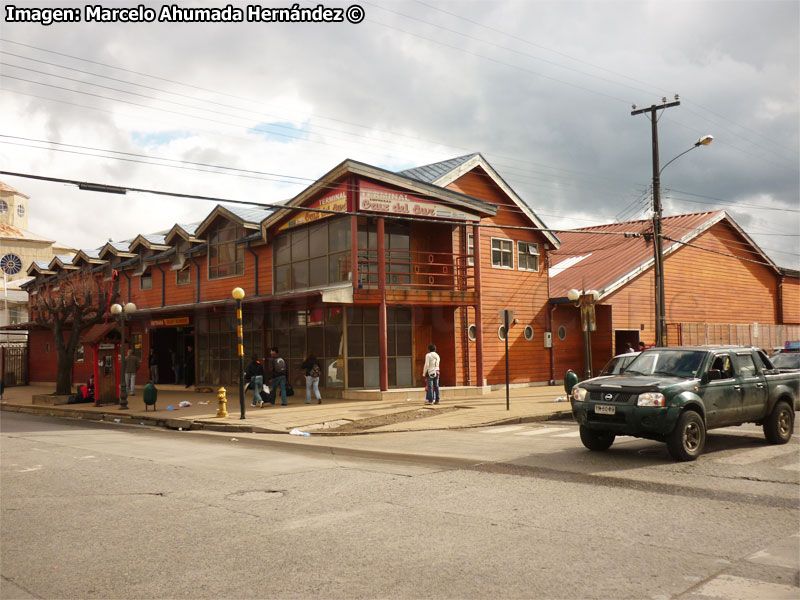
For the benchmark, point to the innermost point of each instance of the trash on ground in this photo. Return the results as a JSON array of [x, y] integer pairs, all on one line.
[[170, 407], [298, 432], [184, 403], [234, 439], [116, 420], [561, 399]]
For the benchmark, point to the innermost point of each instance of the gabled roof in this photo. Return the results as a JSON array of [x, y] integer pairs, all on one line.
[[411, 184], [151, 241], [185, 231], [446, 172], [88, 255], [41, 267], [607, 262], [4, 187], [435, 171], [246, 216], [120, 249], [63, 262]]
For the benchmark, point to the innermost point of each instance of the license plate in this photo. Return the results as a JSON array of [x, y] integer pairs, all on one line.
[[605, 409]]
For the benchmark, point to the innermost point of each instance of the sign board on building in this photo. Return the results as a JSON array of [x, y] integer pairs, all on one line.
[[335, 201], [169, 322], [384, 200], [105, 347]]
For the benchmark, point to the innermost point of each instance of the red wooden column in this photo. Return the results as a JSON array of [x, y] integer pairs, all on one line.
[[382, 343], [476, 249], [352, 206]]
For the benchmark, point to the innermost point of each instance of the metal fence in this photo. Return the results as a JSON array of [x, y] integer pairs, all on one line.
[[14, 364], [754, 334]]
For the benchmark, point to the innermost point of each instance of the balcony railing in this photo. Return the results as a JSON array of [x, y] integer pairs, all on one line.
[[417, 270]]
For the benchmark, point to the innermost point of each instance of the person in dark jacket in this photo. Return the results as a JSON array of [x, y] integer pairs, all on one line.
[[313, 370], [255, 375], [277, 373], [188, 366]]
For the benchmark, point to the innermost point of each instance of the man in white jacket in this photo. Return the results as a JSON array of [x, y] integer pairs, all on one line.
[[431, 374]]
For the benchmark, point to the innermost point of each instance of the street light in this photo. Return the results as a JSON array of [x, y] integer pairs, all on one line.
[[122, 314], [658, 255], [238, 294], [586, 300]]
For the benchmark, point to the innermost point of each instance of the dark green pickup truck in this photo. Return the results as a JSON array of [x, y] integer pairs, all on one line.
[[675, 395]]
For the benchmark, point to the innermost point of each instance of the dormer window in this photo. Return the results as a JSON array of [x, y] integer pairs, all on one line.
[[225, 257], [184, 276]]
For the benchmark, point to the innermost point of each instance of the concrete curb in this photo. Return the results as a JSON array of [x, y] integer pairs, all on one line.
[[178, 423]]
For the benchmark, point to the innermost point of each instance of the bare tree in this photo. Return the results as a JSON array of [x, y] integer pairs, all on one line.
[[68, 308]]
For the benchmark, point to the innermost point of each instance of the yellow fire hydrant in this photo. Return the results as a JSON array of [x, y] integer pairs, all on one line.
[[222, 411]]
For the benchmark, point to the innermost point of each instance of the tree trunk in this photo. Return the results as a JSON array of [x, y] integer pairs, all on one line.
[[64, 372]]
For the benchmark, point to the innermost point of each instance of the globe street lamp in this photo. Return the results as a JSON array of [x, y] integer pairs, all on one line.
[[122, 314], [238, 294], [586, 300]]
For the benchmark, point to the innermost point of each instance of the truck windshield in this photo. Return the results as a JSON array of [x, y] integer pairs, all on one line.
[[666, 361]]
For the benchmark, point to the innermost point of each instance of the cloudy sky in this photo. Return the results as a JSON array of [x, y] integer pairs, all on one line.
[[256, 111]]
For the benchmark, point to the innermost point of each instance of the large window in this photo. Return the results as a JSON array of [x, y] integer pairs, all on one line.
[[528, 256], [217, 346], [312, 256], [225, 256], [398, 252], [502, 253], [146, 280], [363, 347]]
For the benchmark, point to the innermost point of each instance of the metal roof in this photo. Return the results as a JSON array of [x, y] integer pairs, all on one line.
[[434, 171], [605, 262]]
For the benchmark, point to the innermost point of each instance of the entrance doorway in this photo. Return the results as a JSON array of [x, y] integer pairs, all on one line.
[[169, 344], [622, 337]]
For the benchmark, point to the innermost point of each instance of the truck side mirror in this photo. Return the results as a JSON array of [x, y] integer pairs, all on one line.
[[713, 375]]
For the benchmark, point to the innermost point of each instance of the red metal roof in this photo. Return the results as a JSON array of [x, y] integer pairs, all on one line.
[[96, 333], [594, 262]]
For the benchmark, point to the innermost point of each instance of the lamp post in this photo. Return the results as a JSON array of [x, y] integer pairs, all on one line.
[[586, 300], [238, 294], [122, 314], [658, 252]]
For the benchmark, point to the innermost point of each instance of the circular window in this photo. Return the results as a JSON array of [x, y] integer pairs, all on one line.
[[3, 207], [528, 333], [472, 333], [11, 264], [20, 210], [501, 332], [562, 333]]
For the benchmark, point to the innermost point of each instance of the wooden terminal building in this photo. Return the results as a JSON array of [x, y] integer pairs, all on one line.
[[369, 269]]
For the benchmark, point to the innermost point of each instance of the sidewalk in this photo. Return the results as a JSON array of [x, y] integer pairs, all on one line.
[[333, 417]]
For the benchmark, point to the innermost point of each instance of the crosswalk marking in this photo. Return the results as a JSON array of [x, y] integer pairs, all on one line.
[[541, 430], [749, 457], [503, 429], [739, 588], [571, 434]]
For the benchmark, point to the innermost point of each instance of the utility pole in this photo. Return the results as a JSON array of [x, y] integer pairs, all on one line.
[[658, 256]]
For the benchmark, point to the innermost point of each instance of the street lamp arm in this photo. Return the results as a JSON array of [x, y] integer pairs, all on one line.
[[703, 141]]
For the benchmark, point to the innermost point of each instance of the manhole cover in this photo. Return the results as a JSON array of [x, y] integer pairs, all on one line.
[[255, 495]]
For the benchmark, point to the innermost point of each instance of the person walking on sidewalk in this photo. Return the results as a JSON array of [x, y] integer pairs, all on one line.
[[277, 372], [152, 362], [313, 371], [132, 363], [255, 375], [431, 374]]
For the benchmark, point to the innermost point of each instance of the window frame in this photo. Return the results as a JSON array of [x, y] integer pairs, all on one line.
[[471, 249], [510, 251], [519, 254], [214, 246], [147, 275], [187, 268]]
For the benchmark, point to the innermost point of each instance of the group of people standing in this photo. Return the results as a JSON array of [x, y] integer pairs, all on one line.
[[276, 372], [131, 365]]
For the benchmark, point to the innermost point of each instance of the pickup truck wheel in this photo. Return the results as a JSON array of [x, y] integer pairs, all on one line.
[[778, 425], [687, 440], [596, 440]]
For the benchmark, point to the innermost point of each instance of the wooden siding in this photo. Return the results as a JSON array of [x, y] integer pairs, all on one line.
[[702, 287], [791, 300], [569, 353], [523, 291]]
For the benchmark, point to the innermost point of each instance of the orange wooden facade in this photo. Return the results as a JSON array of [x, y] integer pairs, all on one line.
[[443, 292]]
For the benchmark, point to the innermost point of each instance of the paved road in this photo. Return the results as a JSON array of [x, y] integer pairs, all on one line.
[[104, 511]]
